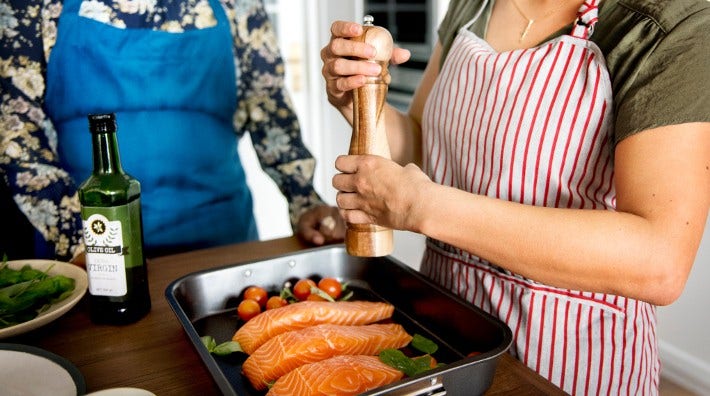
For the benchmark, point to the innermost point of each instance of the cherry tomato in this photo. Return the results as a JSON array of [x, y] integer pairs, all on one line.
[[432, 362], [257, 294], [315, 297], [275, 302], [248, 309], [331, 287], [302, 289]]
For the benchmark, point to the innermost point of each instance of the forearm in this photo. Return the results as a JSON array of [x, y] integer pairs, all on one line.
[[591, 250], [403, 136], [645, 249]]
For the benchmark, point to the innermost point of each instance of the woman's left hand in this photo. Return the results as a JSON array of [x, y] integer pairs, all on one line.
[[377, 190], [320, 225]]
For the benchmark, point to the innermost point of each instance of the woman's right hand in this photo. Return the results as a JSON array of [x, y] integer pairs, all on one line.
[[342, 70]]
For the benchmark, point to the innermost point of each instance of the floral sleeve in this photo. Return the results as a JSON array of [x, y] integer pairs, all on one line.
[[265, 110], [29, 165]]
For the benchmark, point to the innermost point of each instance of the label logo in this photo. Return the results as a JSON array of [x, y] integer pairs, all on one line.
[[102, 236]]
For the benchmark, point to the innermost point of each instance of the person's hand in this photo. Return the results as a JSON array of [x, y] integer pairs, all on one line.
[[341, 69], [376, 190], [320, 225]]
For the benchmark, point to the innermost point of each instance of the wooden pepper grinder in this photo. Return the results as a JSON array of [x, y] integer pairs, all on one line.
[[369, 137]]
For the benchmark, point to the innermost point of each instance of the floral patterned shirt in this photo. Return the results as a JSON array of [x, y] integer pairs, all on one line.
[[29, 163]]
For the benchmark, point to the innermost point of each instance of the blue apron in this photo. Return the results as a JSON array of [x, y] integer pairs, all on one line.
[[174, 95]]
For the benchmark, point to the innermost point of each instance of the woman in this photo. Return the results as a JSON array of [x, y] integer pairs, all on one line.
[[558, 142], [186, 79]]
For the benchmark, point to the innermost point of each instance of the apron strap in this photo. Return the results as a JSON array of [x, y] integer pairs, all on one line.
[[587, 17]]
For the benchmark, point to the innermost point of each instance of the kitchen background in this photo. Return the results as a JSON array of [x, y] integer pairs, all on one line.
[[303, 29]]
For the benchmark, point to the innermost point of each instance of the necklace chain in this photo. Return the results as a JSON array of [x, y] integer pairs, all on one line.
[[531, 20]]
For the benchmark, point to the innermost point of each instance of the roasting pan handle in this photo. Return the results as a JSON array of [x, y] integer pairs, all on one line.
[[434, 387]]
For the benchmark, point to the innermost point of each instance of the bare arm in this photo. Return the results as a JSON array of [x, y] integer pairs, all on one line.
[[644, 250]]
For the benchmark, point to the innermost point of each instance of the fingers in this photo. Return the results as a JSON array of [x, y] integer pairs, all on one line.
[[341, 69], [345, 181], [345, 29], [349, 180], [347, 200], [341, 45], [356, 217], [321, 224], [346, 163], [312, 236], [400, 55]]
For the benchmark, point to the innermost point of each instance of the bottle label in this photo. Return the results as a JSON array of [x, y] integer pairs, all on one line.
[[112, 236]]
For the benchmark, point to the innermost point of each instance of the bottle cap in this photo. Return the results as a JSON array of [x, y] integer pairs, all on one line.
[[99, 123]]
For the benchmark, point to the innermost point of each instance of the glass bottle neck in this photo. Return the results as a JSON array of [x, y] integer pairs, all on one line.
[[105, 153]]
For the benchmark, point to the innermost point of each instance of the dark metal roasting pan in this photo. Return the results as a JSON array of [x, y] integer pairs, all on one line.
[[470, 340]]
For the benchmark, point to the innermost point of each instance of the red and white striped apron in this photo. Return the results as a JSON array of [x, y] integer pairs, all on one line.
[[535, 126]]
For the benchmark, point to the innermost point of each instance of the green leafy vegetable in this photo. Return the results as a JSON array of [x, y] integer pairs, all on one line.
[[27, 292], [409, 366], [320, 293], [423, 344], [288, 295], [347, 294], [222, 349], [412, 366]]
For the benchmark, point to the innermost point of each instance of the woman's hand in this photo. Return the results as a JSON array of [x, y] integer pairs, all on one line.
[[320, 225], [376, 190], [341, 69]]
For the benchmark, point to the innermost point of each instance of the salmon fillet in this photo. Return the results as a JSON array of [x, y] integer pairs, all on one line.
[[303, 314], [338, 376], [293, 349]]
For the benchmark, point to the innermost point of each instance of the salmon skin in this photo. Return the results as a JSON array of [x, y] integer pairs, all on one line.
[[304, 314], [342, 375], [290, 350]]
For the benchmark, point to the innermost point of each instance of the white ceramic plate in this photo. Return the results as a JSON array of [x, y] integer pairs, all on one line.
[[122, 392], [27, 371], [81, 283]]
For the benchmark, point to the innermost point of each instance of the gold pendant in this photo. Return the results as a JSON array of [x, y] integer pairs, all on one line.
[[526, 30]]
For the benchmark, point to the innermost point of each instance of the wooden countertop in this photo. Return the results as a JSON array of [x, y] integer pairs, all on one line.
[[155, 353]]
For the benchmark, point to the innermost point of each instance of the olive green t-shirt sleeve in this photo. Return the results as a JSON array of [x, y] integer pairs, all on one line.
[[660, 67], [657, 54]]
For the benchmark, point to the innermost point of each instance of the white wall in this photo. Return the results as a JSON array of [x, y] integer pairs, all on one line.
[[684, 326]]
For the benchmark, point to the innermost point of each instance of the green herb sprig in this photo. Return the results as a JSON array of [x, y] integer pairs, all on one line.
[[27, 292], [222, 349], [412, 366]]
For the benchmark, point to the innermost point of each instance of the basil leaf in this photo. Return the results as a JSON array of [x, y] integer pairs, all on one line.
[[397, 359], [226, 348], [346, 296], [320, 293], [209, 343], [422, 363], [423, 344], [222, 349]]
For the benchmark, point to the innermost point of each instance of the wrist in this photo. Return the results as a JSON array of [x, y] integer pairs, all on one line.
[[423, 207], [347, 112]]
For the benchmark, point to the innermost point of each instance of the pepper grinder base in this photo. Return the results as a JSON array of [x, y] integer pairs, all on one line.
[[369, 241]]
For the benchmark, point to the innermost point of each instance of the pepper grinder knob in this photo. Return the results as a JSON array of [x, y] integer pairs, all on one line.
[[378, 37], [369, 137]]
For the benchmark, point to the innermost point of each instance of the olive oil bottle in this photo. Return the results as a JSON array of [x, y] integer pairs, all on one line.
[[113, 232]]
